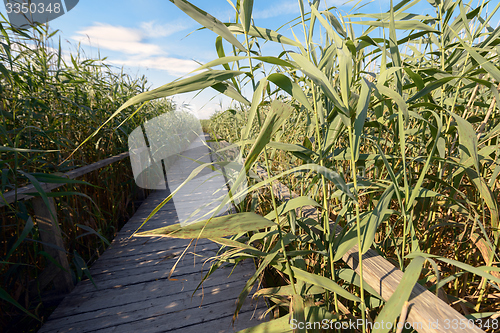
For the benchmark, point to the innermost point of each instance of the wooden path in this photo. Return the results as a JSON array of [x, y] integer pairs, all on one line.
[[134, 292]]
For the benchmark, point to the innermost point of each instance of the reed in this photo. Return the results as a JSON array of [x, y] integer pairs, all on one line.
[[393, 138], [49, 104]]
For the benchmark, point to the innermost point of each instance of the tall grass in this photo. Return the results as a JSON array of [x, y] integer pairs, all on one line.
[[49, 105], [391, 132]]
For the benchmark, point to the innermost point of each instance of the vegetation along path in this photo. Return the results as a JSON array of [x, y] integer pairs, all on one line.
[[134, 291]]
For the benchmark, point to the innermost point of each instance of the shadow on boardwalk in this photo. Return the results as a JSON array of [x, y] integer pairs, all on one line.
[[134, 293]]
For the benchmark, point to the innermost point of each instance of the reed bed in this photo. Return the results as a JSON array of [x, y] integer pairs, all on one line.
[[391, 132], [49, 104]]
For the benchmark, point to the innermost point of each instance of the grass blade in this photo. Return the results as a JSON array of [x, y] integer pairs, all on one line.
[[246, 7], [208, 21], [323, 282], [392, 309]]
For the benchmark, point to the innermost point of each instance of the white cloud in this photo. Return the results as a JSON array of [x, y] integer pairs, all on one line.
[[135, 51], [117, 38], [173, 66], [152, 29]]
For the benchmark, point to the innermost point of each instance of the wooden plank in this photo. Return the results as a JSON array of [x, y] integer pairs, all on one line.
[[117, 280], [142, 320], [133, 309], [174, 321], [425, 307], [95, 166], [112, 264], [99, 300], [50, 233], [159, 269], [134, 248], [21, 193], [222, 325]]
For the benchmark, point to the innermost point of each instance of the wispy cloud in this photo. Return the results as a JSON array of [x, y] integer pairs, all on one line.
[[135, 47], [173, 66], [117, 38], [152, 29]]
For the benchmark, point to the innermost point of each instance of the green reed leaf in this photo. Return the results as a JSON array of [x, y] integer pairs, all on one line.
[[228, 90], [320, 78], [375, 218], [216, 227], [352, 277], [392, 309], [290, 147], [297, 304], [278, 115], [417, 188], [487, 196], [40, 190], [292, 204], [468, 149], [288, 291], [256, 100], [280, 325], [487, 65], [24, 150], [395, 97], [344, 57], [271, 255], [399, 25], [263, 33], [430, 87], [292, 88], [208, 21], [6, 297], [235, 244], [220, 51], [329, 174], [229, 59], [361, 114], [323, 282], [481, 271], [91, 231], [246, 7], [28, 226], [394, 47]]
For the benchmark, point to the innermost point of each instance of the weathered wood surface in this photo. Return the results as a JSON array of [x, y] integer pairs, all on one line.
[[135, 292], [426, 311], [22, 193]]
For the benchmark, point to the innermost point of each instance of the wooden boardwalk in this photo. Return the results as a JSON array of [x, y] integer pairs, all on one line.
[[134, 292]]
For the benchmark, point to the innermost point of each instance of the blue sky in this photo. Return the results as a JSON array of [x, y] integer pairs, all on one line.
[[152, 37]]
